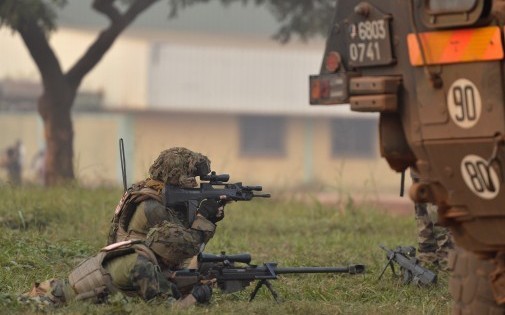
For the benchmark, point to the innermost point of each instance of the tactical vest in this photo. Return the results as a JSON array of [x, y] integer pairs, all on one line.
[[138, 192], [90, 280]]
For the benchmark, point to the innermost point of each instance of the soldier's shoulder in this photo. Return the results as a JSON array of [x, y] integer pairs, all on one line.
[[146, 190]]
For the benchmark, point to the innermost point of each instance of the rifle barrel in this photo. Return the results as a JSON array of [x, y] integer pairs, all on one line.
[[352, 269], [262, 195]]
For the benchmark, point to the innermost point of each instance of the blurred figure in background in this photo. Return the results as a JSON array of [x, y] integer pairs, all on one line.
[[12, 161]]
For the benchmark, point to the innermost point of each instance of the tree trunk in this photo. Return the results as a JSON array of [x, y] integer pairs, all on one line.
[[55, 110], [60, 89]]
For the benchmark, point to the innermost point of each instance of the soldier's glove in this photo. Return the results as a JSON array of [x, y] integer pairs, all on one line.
[[202, 293], [212, 210]]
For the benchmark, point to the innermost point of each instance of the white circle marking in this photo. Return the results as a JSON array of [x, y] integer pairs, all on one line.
[[480, 178], [464, 103]]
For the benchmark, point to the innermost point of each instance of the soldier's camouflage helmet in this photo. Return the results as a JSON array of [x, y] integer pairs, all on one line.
[[179, 166]]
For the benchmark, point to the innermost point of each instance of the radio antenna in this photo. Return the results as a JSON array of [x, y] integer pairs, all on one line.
[[123, 163]]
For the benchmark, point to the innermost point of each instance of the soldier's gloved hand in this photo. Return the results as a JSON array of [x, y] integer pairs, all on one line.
[[212, 210], [202, 293]]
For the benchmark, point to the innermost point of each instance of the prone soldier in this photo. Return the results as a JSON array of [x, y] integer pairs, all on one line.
[[146, 237], [130, 267]]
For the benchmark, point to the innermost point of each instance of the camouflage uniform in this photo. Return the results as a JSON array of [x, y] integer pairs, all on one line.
[[143, 205], [434, 242], [149, 213]]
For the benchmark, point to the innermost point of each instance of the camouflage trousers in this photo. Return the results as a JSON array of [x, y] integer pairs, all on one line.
[[434, 242], [136, 275], [133, 275]]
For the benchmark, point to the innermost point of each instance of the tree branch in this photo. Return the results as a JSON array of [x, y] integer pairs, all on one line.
[[104, 41], [107, 7], [43, 55]]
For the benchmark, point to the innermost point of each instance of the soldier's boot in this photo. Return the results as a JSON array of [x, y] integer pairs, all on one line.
[[52, 292]]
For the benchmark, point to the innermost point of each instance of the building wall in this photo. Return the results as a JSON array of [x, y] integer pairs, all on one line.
[[350, 173], [307, 159], [210, 134], [96, 148], [254, 79]]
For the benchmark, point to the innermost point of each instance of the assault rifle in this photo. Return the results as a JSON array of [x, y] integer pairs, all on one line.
[[405, 256], [221, 269], [215, 187]]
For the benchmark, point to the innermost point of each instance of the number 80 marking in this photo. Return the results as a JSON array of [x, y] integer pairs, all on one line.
[[480, 177]]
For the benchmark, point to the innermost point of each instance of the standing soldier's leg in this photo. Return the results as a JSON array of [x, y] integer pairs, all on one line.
[[443, 238], [427, 244], [445, 244]]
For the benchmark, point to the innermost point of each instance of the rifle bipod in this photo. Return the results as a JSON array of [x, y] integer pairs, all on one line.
[[388, 264], [269, 287]]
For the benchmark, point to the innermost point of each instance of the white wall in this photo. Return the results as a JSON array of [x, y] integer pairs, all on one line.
[[223, 76]]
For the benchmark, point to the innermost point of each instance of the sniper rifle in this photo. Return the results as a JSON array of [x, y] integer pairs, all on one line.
[[221, 269]]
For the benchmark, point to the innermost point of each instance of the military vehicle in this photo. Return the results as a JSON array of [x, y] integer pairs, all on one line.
[[434, 71]]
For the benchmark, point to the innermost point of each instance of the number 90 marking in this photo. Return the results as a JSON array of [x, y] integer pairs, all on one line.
[[464, 103]]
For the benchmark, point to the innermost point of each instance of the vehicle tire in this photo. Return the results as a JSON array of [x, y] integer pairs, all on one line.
[[470, 286]]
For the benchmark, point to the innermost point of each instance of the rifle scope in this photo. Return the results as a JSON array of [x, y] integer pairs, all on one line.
[[213, 177], [241, 258]]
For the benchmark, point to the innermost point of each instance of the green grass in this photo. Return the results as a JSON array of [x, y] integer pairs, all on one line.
[[47, 232]]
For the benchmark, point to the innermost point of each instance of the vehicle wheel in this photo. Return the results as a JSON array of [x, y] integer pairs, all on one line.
[[470, 286]]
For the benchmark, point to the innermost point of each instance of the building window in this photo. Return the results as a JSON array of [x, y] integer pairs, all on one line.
[[354, 138], [262, 136]]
